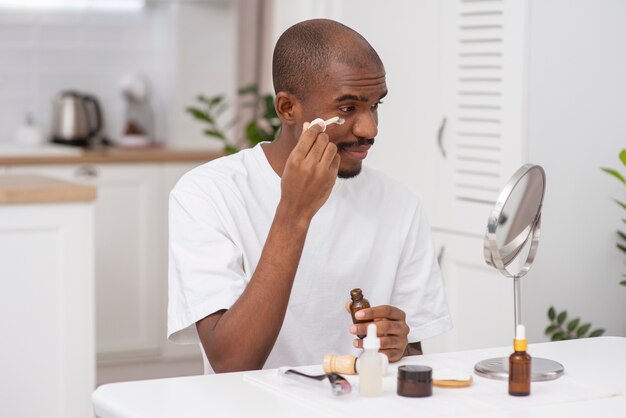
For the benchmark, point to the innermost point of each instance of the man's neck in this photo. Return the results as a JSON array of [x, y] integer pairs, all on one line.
[[277, 152]]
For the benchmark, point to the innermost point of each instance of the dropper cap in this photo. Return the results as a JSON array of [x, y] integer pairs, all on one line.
[[520, 343], [371, 341]]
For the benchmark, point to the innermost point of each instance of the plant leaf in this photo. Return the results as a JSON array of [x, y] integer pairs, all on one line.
[[551, 313], [571, 326], [558, 336], [229, 149], [614, 173], [583, 330], [215, 133], [215, 101], [596, 333], [622, 156], [561, 318], [621, 234], [199, 114], [252, 133], [211, 101], [270, 111], [621, 247], [250, 89], [550, 330], [623, 282]]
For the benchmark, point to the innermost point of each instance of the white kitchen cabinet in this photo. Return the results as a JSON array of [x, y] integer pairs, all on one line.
[[128, 234], [131, 255], [480, 298], [47, 358]]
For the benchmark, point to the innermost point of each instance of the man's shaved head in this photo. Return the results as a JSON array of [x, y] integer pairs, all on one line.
[[304, 52]]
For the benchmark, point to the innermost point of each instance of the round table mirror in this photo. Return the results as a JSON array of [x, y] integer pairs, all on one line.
[[511, 242]]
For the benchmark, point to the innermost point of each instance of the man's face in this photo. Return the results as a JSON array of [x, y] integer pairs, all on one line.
[[353, 94]]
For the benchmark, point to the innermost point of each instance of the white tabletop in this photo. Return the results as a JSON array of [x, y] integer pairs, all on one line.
[[598, 363]]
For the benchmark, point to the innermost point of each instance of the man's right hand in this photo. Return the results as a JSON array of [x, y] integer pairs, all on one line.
[[310, 172]]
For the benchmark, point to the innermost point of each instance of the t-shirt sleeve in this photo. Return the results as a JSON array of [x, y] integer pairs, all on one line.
[[205, 267], [419, 288]]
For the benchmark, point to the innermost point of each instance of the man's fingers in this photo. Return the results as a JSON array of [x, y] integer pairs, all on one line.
[[392, 343], [386, 343], [307, 139], [318, 148], [381, 312], [334, 166], [383, 327], [393, 355], [391, 328], [329, 154]]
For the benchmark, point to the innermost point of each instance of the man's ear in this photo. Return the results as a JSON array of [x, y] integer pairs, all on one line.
[[288, 108]]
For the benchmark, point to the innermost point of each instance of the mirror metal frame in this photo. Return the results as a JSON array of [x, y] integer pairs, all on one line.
[[500, 258], [491, 251]]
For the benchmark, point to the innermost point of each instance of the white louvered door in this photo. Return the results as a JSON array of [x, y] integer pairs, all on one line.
[[481, 139]]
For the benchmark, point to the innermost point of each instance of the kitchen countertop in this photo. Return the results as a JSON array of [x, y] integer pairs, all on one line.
[[29, 189], [68, 155]]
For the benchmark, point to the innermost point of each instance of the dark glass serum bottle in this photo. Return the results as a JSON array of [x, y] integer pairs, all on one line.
[[358, 303], [520, 365]]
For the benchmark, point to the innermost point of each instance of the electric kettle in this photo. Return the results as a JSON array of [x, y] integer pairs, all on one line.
[[77, 119]]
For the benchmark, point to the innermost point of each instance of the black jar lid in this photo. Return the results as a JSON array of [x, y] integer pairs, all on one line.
[[415, 373]]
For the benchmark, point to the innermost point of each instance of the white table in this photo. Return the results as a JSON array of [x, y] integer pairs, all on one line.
[[597, 362]]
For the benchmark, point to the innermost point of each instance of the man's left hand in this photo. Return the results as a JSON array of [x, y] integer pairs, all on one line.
[[391, 328]]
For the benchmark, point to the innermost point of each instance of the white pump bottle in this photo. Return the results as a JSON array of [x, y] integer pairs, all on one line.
[[371, 365]]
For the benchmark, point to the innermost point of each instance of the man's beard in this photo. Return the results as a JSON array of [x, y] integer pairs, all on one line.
[[348, 174]]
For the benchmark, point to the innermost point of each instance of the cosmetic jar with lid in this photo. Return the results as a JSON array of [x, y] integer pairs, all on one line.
[[415, 381]]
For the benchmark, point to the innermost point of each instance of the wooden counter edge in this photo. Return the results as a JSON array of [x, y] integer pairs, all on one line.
[[34, 189], [117, 156]]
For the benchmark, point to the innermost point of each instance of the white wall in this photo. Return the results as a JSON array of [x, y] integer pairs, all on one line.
[[205, 63], [576, 125]]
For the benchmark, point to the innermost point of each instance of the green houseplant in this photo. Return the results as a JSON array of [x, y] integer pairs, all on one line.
[[263, 125], [562, 329], [621, 243]]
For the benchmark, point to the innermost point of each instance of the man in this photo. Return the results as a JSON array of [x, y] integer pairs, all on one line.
[[266, 244]]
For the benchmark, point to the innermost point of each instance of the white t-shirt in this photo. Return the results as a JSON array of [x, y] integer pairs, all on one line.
[[371, 234]]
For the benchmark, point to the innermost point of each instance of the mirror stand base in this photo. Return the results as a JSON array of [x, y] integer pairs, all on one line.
[[498, 368]]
